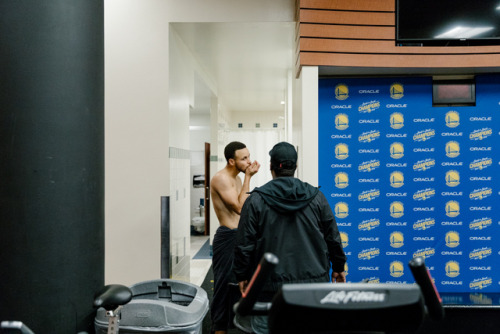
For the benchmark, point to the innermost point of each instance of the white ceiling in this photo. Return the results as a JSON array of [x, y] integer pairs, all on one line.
[[249, 63]]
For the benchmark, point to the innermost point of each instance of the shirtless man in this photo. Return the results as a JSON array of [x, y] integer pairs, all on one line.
[[228, 195]]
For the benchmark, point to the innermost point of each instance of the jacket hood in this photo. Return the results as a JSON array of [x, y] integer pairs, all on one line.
[[286, 194]]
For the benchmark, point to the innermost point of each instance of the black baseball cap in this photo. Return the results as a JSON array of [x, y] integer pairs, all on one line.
[[283, 155]]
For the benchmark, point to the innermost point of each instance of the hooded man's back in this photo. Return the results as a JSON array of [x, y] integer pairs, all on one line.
[[293, 220]]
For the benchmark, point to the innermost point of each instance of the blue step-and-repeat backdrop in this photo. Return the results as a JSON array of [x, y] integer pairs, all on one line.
[[407, 179]]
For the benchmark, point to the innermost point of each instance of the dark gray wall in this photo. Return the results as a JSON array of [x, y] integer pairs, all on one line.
[[52, 162]]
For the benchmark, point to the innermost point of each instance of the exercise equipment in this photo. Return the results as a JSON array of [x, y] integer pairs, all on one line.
[[160, 306], [156, 306], [345, 307], [112, 298]]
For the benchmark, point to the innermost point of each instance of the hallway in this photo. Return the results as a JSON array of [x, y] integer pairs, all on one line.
[[200, 266]]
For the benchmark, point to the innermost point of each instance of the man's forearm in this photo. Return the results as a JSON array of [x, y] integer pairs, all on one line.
[[244, 190]]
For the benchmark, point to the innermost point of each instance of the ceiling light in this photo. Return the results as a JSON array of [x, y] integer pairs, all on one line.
[[464, 32], [282, 102]]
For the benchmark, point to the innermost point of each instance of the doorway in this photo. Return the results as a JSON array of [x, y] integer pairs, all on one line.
[[199, 137], [207, 188]]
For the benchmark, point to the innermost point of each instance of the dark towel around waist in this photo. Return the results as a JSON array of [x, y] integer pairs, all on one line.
[[223, 252]]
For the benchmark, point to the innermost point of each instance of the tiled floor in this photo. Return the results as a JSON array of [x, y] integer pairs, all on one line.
[[198, 268]]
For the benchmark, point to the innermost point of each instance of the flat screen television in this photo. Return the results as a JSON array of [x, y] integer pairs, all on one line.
[[447, 22], [453, 93]]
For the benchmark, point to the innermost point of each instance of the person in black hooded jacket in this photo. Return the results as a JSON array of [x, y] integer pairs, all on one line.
[[293, 220]]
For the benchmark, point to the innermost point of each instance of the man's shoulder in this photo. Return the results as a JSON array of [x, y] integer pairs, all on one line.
[[223, 179], [217, 175], [221, 176], [254, 195], [321, 197]]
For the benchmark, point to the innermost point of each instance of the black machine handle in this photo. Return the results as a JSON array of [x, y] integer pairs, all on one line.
[[14, 327], [111, 296], [246, 303], [424, 280]]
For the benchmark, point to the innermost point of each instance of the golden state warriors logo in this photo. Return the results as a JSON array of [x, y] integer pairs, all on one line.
[[480, 164], [374, 280], [397, 179], [452, 119], [341, 122], [452, 269], [397, 269], [452, 149], [424, 194], [368, 254], [369, 136], [346, 269], [452, 239], [424, 135], [368, 166], [345, 239], [341, 151], [480, 194], [480, 134], [369, 195], [341, 92], [423, 224], [341, 210], [480, 283], [397, 209], [341, 180], [368, 107], [397, 91], [424, 165], [425, 253], [452, 178], [397, 150], [397, 120], [480, 223], [481, 253], [452, 209], [367, 225], [397, 239]]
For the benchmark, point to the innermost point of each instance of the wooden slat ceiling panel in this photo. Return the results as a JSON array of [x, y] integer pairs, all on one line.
[[389, 47], [346, 32], [395, 60], [358, 5], [361, 33], [343, 17]]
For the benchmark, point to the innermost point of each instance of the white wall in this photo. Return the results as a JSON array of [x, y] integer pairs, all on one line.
[[305, 126], [146, 124], [181, 93], [136, 137]]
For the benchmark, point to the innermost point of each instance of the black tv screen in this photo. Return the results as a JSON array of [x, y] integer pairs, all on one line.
[[447, 22], [453, 93]]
